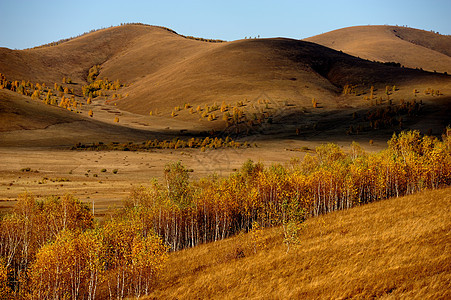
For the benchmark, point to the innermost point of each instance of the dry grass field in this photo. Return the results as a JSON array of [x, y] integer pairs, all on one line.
[[58, 172], [393, 249]]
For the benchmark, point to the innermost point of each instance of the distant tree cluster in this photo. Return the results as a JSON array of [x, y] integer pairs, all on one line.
[[193, 143], [392, 64], [390, 116], [63, 96], [39, 91], [203, 39], [238, 117], [67, 80], [93, 73], [99, 87]]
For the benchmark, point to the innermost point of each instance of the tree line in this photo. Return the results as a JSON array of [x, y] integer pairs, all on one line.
[[176, 143], [186, 213]]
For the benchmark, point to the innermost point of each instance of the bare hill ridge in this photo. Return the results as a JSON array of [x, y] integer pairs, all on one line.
[[72, 58], [410, 47]]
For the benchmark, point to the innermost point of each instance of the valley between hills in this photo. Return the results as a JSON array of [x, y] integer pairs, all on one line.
[[100, 116]]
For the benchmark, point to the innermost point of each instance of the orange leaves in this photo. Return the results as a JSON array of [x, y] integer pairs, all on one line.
[[148, 257], [256, 234], [70, 266], [123, 254], [314, 103], [33, 224], [134, 254], [5, 290], [328, 153], [66, 212]]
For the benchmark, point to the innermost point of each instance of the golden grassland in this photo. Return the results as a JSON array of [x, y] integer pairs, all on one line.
[[392, 249]]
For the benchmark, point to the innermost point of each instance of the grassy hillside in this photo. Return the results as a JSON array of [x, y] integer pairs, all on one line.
[[396, 249], [410, 47], [72, 58], [20, 112], [281, 69], [163, 70], [28, 123], [278, 88]]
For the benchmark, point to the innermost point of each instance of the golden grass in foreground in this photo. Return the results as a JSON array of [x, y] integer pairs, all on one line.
[[396, 248]]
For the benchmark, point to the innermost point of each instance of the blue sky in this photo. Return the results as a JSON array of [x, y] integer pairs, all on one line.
[[30, 23]]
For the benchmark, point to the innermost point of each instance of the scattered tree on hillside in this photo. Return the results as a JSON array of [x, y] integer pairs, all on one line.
[[93, 73]]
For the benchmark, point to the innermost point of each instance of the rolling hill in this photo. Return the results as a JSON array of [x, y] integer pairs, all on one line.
[[162, 67], [410, 47], [275, 80]]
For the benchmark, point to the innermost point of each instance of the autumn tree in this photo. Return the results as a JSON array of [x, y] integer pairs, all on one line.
[[177, 183], [5, 290], [70, 267], [314, 103], [134, 255]]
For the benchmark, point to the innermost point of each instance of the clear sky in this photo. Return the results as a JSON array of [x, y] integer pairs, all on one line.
[[31, 23]]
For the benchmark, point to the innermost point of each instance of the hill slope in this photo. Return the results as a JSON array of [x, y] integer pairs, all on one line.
[[410, 47], [28, 123], [72, 58], [396, 248], [20, 112]]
